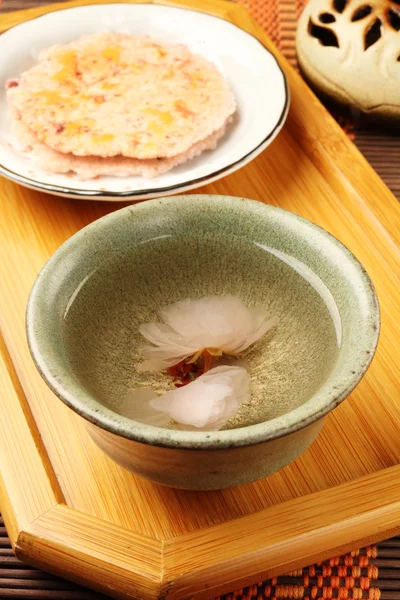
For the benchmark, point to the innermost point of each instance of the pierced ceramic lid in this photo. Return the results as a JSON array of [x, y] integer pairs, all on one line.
[[350, 50]]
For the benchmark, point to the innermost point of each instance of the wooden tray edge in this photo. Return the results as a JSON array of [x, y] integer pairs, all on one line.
[[28, 462], [92, 552], [298, 533]]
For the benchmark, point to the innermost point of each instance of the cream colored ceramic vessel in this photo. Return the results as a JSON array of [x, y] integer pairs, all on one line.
[[349, 51]]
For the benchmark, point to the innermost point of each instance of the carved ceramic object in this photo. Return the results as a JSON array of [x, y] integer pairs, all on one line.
[[350, 51]]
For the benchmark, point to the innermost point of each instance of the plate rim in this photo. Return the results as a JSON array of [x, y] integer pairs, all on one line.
[[168, 190]]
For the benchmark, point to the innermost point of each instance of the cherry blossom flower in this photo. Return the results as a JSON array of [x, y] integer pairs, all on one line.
[[205, 404], [209, 327]]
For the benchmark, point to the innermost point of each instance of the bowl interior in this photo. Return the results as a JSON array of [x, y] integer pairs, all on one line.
[[100, 326], [89, 300]]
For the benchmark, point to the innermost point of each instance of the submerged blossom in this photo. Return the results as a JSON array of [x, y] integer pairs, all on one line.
[[213, 325], [205, 404]]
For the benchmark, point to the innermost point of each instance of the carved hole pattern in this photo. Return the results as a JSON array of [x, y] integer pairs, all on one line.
[[361, 12], [339, 5], [373, 34], [393, 16], [327, 37], [326, 18]]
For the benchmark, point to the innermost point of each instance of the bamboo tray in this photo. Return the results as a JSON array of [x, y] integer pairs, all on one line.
[[71, 511]]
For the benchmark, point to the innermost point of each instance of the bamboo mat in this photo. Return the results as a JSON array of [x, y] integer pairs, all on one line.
[[372, 573]]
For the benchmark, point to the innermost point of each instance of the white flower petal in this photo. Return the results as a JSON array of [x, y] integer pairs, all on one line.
[[267, 324], [137, 406], [163, 360], [199, 317], [169, 347], [194, 404], [160, 333], [221, 322], [209, 401], [206, 404]]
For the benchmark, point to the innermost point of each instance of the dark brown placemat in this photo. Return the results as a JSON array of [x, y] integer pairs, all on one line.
[[383, 153], [19, 581]]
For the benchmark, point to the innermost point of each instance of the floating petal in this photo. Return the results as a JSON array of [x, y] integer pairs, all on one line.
[[204, 404], [221, 323], [136, 405]]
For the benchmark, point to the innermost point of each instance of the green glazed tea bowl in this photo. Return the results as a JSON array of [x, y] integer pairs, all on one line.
[[88, 301]]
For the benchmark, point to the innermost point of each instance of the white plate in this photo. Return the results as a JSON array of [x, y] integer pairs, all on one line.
[[254, 75]]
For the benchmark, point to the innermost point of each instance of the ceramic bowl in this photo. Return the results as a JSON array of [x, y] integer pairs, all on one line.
[[254, 75], [88, 301]]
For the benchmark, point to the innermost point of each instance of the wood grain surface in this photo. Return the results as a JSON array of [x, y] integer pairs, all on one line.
[[69, 509]]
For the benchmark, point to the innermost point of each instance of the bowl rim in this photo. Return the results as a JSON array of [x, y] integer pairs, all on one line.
[[294, 420], [150, 193]]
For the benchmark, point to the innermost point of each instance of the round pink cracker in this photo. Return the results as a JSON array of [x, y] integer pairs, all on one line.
[[91, 167], [111, 95]]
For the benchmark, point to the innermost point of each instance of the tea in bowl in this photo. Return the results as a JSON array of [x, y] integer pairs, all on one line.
[[113, 317]]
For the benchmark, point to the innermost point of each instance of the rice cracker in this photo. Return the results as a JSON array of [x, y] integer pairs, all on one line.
[[116, 95], [91, 167]]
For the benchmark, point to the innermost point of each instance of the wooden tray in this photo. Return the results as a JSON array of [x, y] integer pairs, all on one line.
[[73, 512]]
